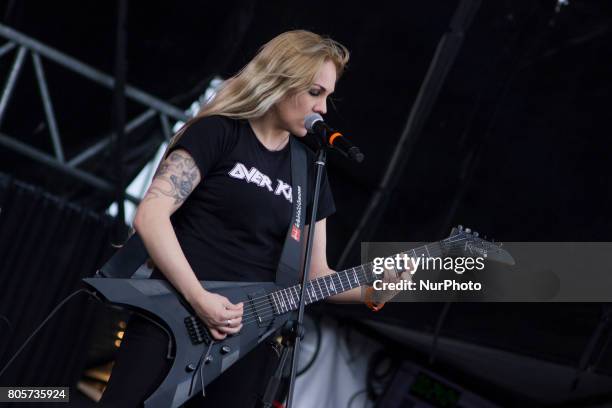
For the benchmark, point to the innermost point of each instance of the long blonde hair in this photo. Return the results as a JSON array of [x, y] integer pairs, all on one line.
[[285, 65]]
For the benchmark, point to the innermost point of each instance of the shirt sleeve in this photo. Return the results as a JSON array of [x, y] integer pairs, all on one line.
[[206, 140]]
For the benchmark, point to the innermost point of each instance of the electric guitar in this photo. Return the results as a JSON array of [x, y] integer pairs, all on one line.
[[198, 359]]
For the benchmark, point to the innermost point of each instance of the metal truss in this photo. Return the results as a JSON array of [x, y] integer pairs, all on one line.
[[70, 166]]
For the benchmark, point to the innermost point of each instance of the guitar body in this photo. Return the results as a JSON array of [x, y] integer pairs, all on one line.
[[197, 359], [191, 342]]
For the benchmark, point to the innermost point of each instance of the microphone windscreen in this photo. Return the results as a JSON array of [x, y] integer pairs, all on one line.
[[310, 120]]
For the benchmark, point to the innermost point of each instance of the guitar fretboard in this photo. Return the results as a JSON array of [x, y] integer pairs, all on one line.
[[287, 299]]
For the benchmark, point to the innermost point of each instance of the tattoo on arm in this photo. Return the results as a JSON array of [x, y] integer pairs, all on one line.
[[176, 177]]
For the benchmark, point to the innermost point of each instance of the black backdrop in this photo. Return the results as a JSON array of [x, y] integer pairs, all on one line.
[[516, 146], [46, 246]]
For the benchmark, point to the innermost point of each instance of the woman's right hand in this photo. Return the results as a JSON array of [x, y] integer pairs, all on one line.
[[216, 312]]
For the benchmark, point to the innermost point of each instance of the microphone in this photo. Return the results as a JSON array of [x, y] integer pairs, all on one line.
[[314, 124]]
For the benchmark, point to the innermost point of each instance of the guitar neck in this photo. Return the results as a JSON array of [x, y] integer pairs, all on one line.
[[287, 299]]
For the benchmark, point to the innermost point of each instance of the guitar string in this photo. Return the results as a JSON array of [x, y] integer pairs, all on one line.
[[268, 311], [345, 282], [263, 308], [265, 298], [255, 302], [283, 296], [284, 306]]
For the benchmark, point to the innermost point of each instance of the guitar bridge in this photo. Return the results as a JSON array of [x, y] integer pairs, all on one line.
[[198, 332]]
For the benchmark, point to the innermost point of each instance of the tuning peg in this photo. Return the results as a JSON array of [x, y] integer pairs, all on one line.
[[468, 230], [460, 227], [475, 234]]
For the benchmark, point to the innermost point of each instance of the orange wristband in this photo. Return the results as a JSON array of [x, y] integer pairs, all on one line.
[[375, 306]]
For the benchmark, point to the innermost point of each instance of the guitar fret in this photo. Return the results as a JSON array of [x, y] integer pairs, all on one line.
[[297, 295], [309, 298], [281, 302], [275, 304], [284, 302], [282, 298], [290, 297], [348, 279], [280, 305], [331, 284], [310, 291], [340, 280], [285, 299], [318, 283], [294, 300], [362, 270], [355, 276], [326, 287], [369, 275]]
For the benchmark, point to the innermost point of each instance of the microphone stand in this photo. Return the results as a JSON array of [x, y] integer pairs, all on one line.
[[293, 331]]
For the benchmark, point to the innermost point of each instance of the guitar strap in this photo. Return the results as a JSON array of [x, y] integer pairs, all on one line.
[[127, 261], [130, 260], [287, 272]]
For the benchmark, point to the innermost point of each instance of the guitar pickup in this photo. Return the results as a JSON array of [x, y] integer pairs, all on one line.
[[261, 310], [198, 332]]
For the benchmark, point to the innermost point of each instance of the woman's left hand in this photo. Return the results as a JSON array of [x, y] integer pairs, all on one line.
[[391, 275]]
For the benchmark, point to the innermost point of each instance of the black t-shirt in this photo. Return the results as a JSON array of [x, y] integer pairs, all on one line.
[[234, 223]]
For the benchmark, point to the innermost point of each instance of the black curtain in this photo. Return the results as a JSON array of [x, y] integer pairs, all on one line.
[[46, 246]]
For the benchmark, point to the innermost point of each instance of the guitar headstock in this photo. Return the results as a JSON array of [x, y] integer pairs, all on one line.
[[465, 242]]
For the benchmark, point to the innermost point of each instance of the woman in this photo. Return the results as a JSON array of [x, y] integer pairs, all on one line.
[[219, 207]]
